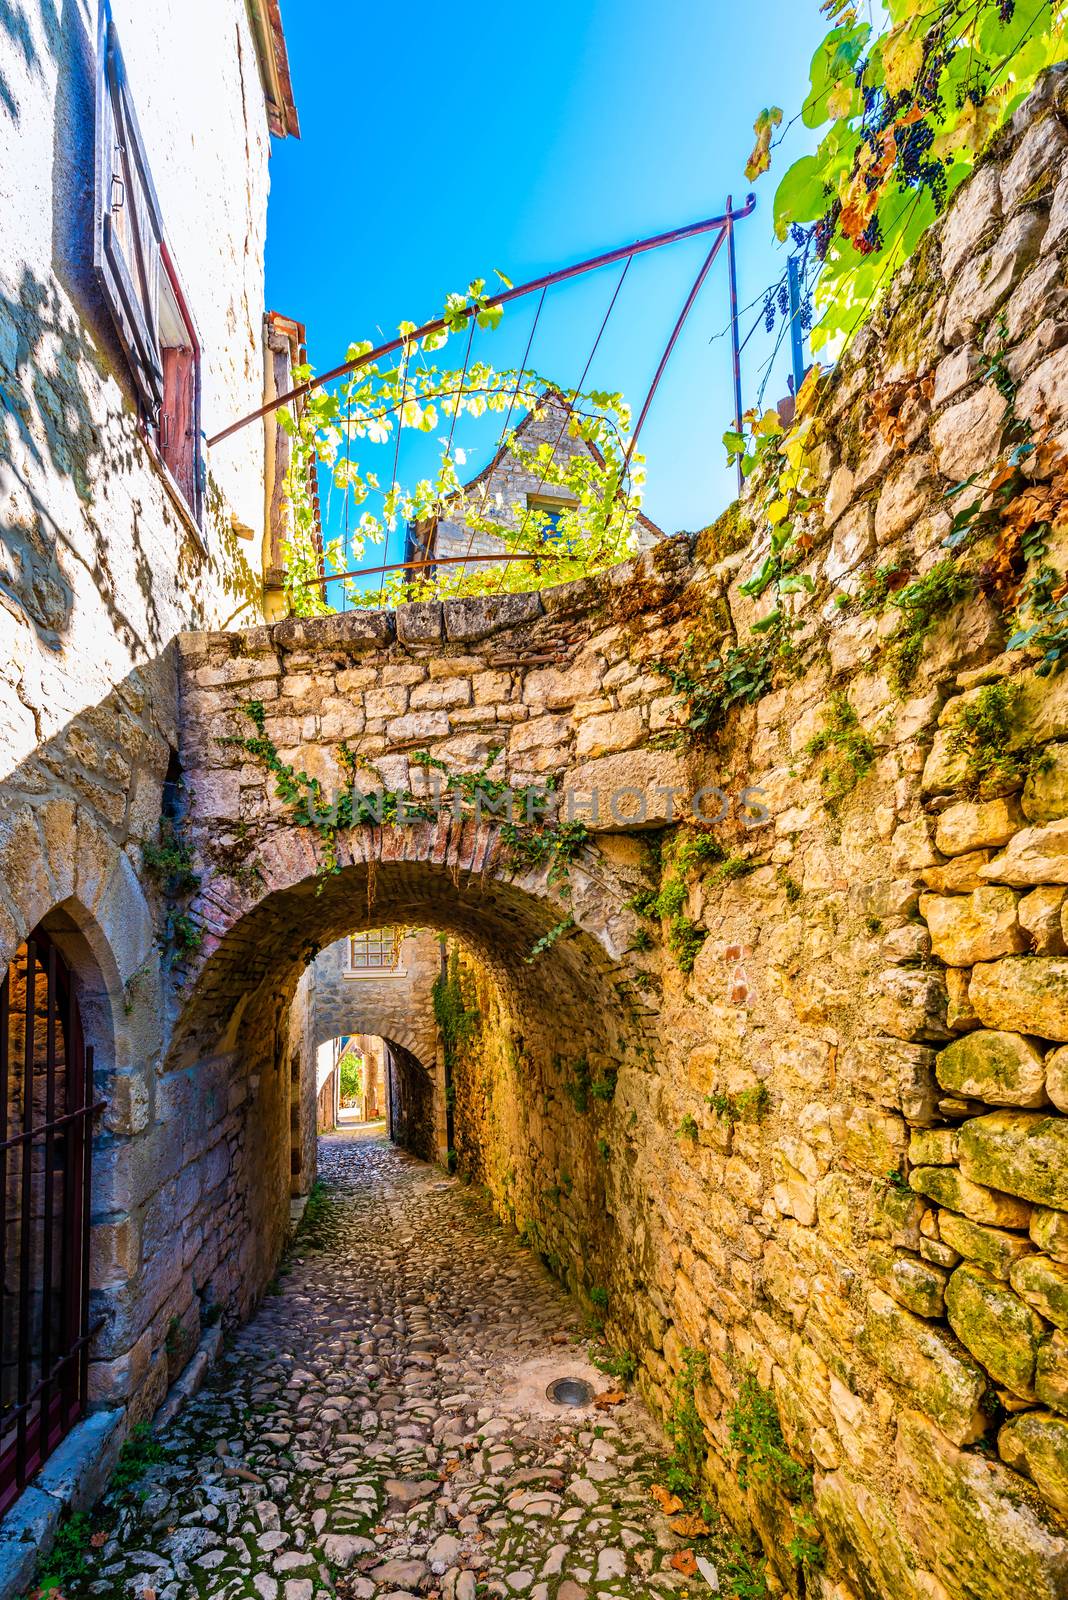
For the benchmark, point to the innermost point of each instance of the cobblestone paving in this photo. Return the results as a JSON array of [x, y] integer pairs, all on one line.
[[380, 1429]]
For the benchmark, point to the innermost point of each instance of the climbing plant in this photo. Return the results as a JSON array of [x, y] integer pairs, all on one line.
[[600, 485], [905, 110]]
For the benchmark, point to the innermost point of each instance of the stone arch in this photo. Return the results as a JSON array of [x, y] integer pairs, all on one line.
[[579, 994]]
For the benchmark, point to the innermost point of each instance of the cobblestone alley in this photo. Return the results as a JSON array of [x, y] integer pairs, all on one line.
[[380, 1428]]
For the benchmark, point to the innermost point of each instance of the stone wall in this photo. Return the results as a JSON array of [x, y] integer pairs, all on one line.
[[98, 572], [394, 1005]]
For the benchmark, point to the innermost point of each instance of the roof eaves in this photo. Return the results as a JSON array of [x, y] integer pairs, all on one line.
[[273, 56]]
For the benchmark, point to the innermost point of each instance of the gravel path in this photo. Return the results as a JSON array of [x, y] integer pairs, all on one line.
[[380, 1428]]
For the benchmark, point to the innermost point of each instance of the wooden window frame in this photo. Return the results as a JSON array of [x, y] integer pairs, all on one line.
[[123, 179], [384, 940]]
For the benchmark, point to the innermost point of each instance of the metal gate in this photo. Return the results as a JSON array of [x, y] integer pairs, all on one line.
[[46, 1110]]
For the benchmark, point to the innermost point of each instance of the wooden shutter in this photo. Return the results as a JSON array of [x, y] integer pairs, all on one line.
[[177, 425], [128, 233]]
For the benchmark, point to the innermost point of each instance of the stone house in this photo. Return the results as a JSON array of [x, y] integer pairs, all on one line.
[[508, 491], [134, 173]]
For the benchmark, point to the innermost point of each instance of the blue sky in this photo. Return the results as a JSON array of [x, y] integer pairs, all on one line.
[[438, 145]]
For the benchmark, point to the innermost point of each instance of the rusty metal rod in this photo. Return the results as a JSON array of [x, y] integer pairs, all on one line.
[[724, 233], [435, 561], [438, 325]]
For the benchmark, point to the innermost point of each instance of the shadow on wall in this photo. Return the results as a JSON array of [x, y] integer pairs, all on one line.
[[15, 26]]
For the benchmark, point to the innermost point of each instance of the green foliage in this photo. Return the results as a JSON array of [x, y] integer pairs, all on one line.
[[644, 903], [456, 1021], [141, 1450], [577, 1084], [170, 861], [921, 605], [749, 1105], [547, 940], [605, 1088], [687, 1128], [711, 685], [906, 110], [65, 1563], [186, 935], [350, 1077], [756, 1434], [684, 1426], [897, 1180], [672, 897], [685, 939], [598, 1298], [691, 852], [174, 1335], [604, 1150], [622, 1364], [790, 885], [982, 733], [642, 941], [599, 487], [850, 751]]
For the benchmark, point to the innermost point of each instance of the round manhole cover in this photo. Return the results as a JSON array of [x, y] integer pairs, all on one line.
[[570, 1392]]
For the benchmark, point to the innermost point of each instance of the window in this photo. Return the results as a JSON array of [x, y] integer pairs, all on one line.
[[137, 275], [550, 511], [378, 951]]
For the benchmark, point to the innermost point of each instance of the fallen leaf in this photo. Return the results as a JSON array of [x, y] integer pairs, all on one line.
[[98, 1538], [610, 1397], [684, 1561], [690, 1526], [148, 1594], [669, 1503]]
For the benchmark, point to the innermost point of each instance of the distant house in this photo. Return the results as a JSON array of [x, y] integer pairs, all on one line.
[[507, 491]]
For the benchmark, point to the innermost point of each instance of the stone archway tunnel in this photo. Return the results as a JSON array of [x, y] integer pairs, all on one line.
[[758, 1043]]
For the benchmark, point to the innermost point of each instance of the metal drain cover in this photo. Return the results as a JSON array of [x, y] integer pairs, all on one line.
[[570, 1392]]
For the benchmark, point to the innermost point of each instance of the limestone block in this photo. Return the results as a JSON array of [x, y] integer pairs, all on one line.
[[1042, 294], [896, 1216], [418, 727], [840, 491], [467, 621], [490, 688], [903, 498], [996, 1326], [1045, 794], [973, 1522], [1034, 163], [933, 1147], [1051, 1372], [1040, 915], [1021, 1152], [977, 927], [964, 438], [1037, 1444], [605, 735], [1004, 1069], [1043, 395], [989, 277], [918, 1285], [982, 1203], [539, 732], [1044, 1285], [944, 769], [960, 1013], [853, 542], [1023, 994], [958, 875], [976, 206], [993, 1249], [440, 694], [977, 825], [954, 373], [874, 1140], [1034, 855], [911, 1005], [911, 847], [948, 1387], [1057, 230], [419, 622], [649, 788], [1049, 1230]]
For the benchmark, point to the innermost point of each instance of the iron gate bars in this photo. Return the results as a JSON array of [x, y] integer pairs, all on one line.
[[46, 1112]]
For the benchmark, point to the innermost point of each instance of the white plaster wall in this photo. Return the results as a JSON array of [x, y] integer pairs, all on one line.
[[97, 568]]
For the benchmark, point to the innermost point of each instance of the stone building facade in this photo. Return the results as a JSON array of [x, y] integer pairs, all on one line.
[[509, 491], [119, 530]]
